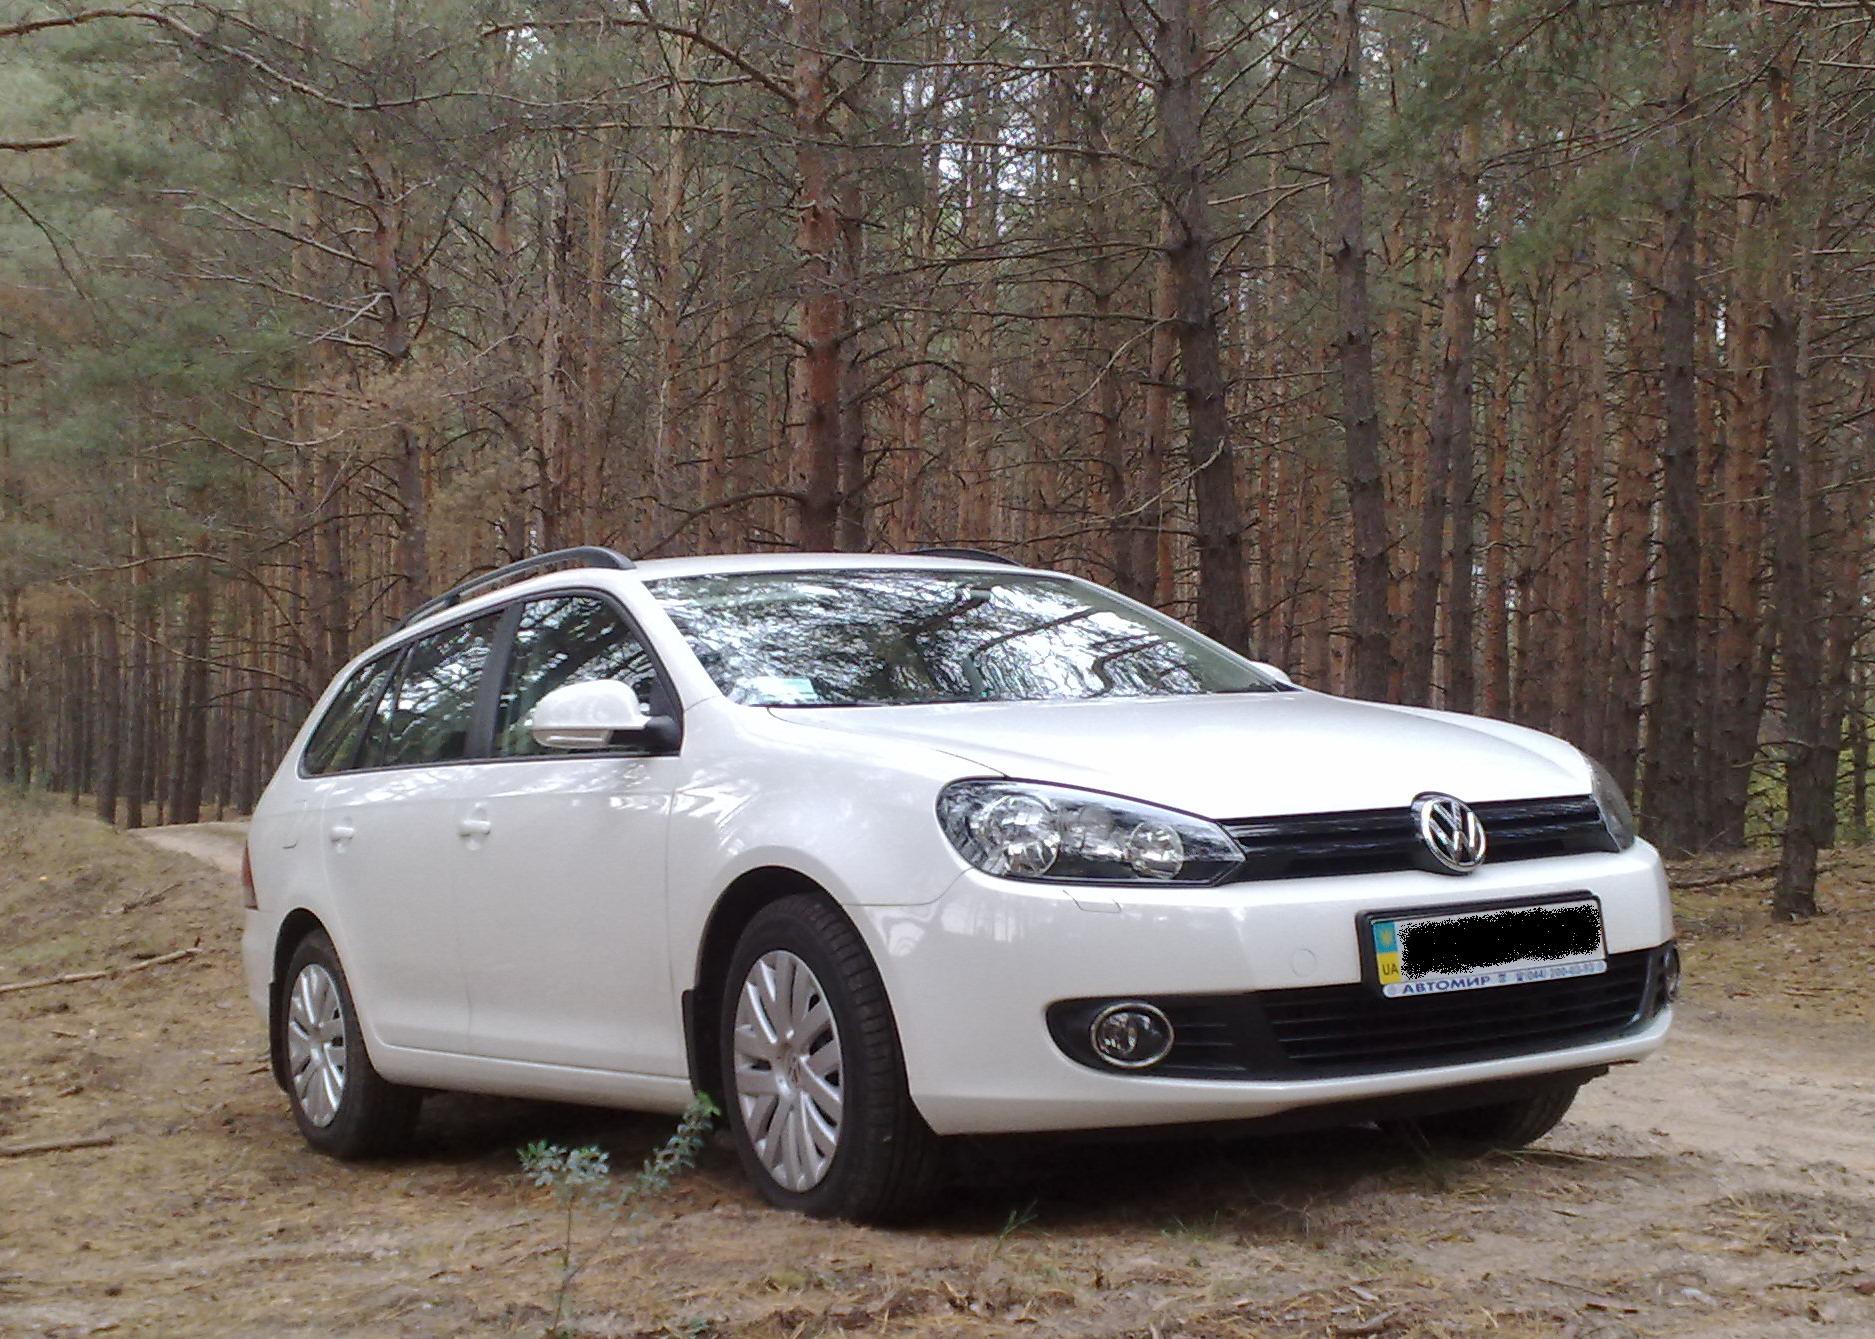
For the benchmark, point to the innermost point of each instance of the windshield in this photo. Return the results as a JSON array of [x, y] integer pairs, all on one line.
[[897, 637]]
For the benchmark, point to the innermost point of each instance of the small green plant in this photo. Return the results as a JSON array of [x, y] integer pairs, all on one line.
[[1017, 1220], [581, 1178]]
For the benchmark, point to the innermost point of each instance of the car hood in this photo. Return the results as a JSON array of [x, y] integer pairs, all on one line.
[[1233, 756]]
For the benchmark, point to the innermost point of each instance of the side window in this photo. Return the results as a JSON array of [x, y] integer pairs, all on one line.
[[569, 639], [334, 742], [427, 714]]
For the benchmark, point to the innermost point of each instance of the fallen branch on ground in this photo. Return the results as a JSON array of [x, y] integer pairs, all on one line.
[[72, 978], [57, 1145], [1735, 876]]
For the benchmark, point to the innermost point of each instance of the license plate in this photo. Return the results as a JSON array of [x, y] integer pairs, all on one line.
[[1476, 950]]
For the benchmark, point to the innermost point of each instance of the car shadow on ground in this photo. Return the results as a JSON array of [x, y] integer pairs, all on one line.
[[991, 1183]]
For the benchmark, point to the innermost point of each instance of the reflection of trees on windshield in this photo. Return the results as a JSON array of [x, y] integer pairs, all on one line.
[[843, 638]]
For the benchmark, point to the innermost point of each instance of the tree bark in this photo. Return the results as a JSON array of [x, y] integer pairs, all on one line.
[[1496, 512], [1370, 656], [110, 718], [1449, 492], [191, 755], [817, 241], [1793, 897], [1668, 795], [855, 515], [1152, 552], [1735, 738], [1221, 611]]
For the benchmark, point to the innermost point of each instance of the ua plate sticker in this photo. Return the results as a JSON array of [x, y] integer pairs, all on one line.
[[1438, 955]]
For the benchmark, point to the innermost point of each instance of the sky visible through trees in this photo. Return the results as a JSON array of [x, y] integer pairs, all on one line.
[[1494, 355]]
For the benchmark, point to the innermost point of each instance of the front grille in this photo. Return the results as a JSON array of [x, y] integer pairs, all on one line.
[[1378, 841], [1335, 1031]]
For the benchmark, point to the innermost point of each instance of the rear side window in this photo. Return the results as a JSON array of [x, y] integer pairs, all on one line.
[[427, 715], [569, 639], [334, 743]]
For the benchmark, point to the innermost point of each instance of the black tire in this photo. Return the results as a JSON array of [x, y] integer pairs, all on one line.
[[374, 1116], [885, 1164], [1503, 1126]]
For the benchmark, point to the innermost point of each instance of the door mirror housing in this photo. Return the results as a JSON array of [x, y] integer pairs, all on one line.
[[1280, 676], [604, 713]]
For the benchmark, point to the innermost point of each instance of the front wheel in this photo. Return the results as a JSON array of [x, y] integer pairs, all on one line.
[[342, 1105], [817, 1098], [1501, 1126]]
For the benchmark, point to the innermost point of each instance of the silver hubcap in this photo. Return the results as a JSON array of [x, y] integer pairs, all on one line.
[[315, 1044], [788, 1076]]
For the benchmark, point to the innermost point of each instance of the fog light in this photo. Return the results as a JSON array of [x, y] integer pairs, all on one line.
[[1133, 1035], [1670, 975]]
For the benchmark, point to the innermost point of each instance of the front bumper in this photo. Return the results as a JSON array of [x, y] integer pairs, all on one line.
[[971, 977]]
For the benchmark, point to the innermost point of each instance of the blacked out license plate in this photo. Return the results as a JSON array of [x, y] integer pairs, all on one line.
[[1476, 950]]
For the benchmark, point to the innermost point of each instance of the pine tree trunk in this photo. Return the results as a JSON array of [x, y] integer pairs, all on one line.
[[1673, 707], [1794, 895], [1858, 748], [1449, 458], [1496, 655], [1370, 661], [1151, 559], [110, 717], [1735, 736], [854, 515], [192, 705], [1221, 612], [817, 240]]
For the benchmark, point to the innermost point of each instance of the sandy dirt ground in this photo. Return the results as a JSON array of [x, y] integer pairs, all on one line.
[[1724, 1188]]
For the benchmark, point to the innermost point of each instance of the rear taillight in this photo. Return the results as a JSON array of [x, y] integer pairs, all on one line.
[[248, 899]]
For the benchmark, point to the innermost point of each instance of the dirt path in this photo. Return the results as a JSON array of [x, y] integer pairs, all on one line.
[[1726, 1188], [215, 844], [1750, 1089]]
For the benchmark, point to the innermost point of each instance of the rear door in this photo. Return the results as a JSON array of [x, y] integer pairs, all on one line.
[[394, 828], [563, 917]]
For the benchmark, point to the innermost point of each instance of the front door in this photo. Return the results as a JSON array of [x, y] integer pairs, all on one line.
[[562, 924]]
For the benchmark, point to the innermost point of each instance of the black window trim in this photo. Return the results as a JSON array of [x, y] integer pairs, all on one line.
[[480, 746], [512, 625]]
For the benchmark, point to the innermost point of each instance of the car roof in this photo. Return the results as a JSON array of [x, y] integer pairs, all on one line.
[[709, 564], [702, 565]]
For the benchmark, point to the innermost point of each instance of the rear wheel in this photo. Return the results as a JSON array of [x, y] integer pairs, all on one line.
[[341, 1103], [1503, 1125], [817, 1099]]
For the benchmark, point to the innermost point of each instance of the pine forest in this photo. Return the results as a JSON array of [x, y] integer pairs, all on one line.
[[1502, 356]]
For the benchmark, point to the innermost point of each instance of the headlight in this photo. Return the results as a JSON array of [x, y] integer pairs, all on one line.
[[1022, 830], [1617, 815]]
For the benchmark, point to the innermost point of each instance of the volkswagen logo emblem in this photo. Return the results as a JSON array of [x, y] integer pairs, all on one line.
[[1450, 832]]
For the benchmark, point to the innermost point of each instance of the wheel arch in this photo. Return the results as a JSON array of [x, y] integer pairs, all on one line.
[[294, 927], [734, 908]]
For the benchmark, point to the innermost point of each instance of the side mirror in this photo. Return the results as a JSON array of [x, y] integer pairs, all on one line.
[[582, 716], [1274, 673]]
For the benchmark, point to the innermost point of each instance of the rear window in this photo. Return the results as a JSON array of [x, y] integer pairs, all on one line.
[[334, 743], [427, 715]]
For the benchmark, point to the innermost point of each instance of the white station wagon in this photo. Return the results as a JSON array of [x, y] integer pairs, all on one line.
[[882, 850]]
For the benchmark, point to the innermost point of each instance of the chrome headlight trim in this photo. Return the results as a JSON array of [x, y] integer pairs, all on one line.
[[1041, 833]]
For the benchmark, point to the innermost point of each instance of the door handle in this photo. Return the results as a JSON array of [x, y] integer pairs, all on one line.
[[475, 827], [341, 832]]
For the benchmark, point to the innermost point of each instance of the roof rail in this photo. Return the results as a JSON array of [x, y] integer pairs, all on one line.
[[590, 555], [972, 555]]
